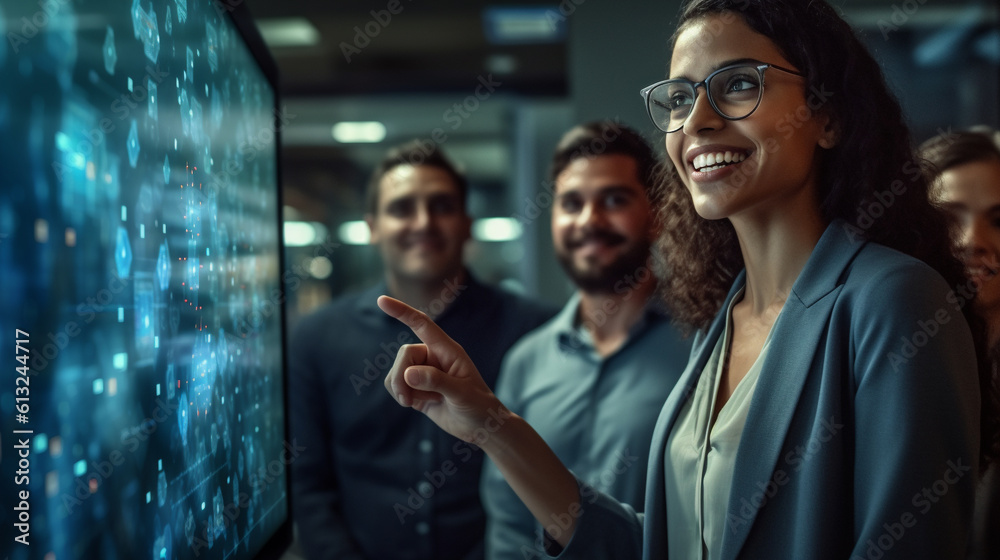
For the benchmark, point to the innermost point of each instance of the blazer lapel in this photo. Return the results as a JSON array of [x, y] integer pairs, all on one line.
[[655, 523], [794, 344]]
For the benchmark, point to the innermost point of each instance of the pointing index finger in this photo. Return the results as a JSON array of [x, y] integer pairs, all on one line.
[[421, 325]]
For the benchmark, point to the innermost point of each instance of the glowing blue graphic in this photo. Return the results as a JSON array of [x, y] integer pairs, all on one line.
[[123, 253], [162, 547], [220, 522], [191, 274], [212, 38], [195, 199], [133, 144], [182, 418], [204, 367], [171, 382], [207, 165], [90, 155], [161, 489], [145, 326], [189, 527], [144, 26], [110, 54], [154, 113], [163, 267]]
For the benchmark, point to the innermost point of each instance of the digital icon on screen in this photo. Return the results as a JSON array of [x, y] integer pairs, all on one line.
[[132, 144], [212, 38], [144, 25], [161, 489], [163, 267], [110, 54], [153, 108], [182, 417], [123, 253]]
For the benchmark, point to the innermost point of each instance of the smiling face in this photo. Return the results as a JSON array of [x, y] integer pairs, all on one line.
[[420, 224], [602, 222], [762, 164], [971, 193]]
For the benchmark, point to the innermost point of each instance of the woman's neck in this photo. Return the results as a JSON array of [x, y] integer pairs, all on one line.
[[775, 250]]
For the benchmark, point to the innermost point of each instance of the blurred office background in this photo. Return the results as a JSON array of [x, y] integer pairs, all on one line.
[[355, 83], [357, 79]]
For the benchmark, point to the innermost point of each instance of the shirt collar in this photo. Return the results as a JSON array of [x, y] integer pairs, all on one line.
[[572, 336]]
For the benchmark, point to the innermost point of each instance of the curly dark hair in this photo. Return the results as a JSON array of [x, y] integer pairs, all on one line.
[[872, 159]]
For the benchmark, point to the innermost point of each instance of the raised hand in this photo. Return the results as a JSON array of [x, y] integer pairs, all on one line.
[[437, 377]]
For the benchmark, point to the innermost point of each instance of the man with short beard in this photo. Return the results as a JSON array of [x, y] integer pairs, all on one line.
[[593, 379]]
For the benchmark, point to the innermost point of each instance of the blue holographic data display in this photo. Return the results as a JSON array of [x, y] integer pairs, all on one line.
[[139, 249]]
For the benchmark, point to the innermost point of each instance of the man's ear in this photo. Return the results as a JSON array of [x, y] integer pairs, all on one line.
[[370, 220]]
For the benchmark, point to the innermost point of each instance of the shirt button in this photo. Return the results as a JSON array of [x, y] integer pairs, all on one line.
[[423, 528], [425, 489], [426, 446]]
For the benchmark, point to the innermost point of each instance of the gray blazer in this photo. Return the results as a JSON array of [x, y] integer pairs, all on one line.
[[862, 437]]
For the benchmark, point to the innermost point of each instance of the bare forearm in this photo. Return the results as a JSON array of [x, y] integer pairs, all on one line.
[[537, 476]]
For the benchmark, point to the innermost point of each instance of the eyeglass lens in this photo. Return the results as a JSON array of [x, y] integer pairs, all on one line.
[[733, 92]]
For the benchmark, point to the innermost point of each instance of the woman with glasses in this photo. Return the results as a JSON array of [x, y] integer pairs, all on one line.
[[831, 406], [965, 176]]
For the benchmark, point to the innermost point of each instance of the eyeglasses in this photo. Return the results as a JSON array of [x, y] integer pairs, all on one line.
[[734, 93]]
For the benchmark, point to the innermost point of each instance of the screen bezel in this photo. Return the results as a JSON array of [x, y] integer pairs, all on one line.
[[237, 11]]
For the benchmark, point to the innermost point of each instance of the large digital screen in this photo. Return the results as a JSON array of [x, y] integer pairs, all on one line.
[[141, 324]]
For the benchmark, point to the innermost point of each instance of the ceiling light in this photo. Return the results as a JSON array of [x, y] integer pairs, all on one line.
[[358, 132], [288, 32], [496, 229], [303, 234], [354, 233]]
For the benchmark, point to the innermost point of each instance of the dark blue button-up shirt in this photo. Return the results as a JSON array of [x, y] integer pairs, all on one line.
[[377, 480]]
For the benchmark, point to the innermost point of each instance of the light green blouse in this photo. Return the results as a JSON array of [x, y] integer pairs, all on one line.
[[700, 457]]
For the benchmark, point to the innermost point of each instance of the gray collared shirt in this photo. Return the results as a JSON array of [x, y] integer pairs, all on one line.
[[597, 413]]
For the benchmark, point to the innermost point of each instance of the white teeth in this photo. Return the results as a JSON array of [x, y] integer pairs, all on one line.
[[717, 160]]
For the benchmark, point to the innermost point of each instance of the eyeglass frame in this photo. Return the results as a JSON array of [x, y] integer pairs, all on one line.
[[760, 68]]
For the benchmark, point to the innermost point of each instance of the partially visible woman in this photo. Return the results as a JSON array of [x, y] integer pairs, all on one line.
[[965, 175]]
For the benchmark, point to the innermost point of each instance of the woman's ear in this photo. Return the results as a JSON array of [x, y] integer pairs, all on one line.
[[831, 133]]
